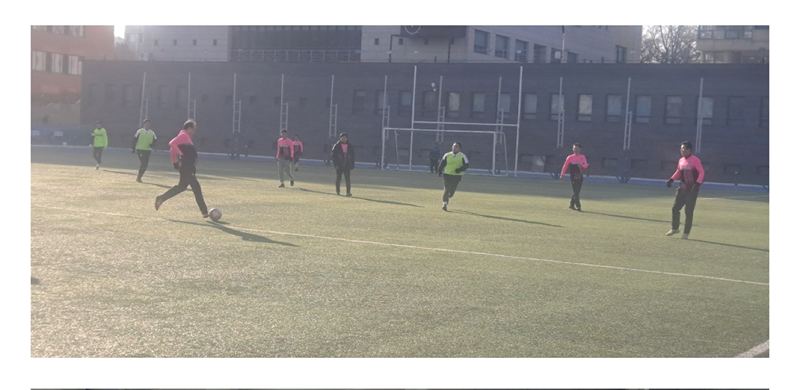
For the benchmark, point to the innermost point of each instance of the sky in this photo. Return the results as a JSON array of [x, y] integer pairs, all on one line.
[[119, 30]]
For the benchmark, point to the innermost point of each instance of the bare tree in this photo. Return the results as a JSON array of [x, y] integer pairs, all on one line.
[[122, 51], [670, 45]]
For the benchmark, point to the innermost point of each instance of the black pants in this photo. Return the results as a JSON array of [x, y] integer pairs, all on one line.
[[434, 163], [187, 179], [98, 153], [687, 197], [576, 192], [450, 185], [144, 158], [339, 173]]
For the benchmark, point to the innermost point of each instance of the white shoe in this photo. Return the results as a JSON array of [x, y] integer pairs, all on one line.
[[685, 236], [96, 167], [672, 231]]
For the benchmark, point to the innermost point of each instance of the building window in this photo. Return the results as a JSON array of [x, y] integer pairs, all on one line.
[[529, 109], [556, 106], [505, 104], [736, 111], [77, 31], [521, 51], [162, 96], [127, 95], [229, 99], [555, 55], [91, 93], [622, 54], [303, 101], [405, 103], [706, 110], [276, 101], [252, 99], [764, 117], [430, 103], [155, 42], [426, 41], [57, 64], [613, 108], [400, 41], [572, 58], [174, 42], [539, 54], [377, 41], [379, 103], [215, 42], [453, 104], [481, 44], [748, 32], [108, 98], [705, 32], [58, 29], [38, 60], [584, 108], [643, 108], [501, 46], [734, 32], [708, 58], [359, 100], [194, 42], [672, 111], [478, 104]]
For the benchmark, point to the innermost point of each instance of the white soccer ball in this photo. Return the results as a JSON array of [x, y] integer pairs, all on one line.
[[215, 214]]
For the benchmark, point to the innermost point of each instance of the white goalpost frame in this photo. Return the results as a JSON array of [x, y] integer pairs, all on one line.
[[385, 131]]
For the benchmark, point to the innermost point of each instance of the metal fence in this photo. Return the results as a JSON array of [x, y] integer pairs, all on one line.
[[241, 55]]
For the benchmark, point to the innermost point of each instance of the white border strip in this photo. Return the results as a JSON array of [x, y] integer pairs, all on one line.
[[755, 351], [435, 249]]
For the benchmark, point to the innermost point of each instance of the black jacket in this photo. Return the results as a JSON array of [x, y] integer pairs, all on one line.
[[342, 161]]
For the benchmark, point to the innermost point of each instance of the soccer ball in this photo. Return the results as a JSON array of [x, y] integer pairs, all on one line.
[[215, 214]]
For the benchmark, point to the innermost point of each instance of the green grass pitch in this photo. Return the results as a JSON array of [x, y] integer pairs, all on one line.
[[510, 271]]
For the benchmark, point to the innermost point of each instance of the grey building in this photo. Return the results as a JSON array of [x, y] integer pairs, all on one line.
[[663, 102], [179, 43], [733, 44]]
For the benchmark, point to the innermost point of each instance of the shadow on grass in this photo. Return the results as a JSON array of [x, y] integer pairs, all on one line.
[[628, 217], [504, 218], [360, 198], [243, 235], [731, 245]]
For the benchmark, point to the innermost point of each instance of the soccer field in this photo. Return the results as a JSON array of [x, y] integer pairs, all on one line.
[[510, 271]]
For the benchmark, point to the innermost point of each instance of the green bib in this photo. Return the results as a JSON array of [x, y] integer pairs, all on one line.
[[145, 139], [454, 161]]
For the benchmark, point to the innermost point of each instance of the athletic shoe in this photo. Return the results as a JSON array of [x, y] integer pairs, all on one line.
[[444, 206], [349, 194], [96, 167], [158, 202], [139, 179], [579, 209], [291, 183], [685, 236], [337, 193], [571, 207], [205, 215], [281, 186], [672, 231]]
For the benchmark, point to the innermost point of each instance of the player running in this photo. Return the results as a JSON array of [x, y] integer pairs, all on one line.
[[143, 142], [576, 163], [285, 156], [184, 159], [690, 171], [100, 142], [453, 165], [344, 159], [434, 156], [298, 151]]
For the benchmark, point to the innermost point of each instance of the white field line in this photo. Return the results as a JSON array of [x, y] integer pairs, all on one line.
[[736, 197], [755, 351], [431, 249]]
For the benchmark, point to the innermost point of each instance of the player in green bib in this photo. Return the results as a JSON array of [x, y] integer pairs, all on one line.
[[100, 142], [453, 165], [143, 142]]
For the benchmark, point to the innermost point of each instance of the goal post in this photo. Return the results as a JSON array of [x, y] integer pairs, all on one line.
[[486, 150]]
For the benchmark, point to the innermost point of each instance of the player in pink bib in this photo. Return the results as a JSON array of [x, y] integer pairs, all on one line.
[[576, 163], [690, 172]]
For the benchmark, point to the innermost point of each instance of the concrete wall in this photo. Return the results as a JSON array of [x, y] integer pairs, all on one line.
[[185, 49], [654, 146]]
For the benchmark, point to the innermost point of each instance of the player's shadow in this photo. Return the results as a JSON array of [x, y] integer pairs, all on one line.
[[628, 217], [731, 245], [245, 236], [34, 280], [504, 218], [360, 198], [134, 174]]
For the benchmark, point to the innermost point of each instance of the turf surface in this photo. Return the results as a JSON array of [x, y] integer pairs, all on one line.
[[510, 271]]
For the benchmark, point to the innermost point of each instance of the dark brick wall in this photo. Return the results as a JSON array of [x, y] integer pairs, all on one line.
[[651, 144]]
